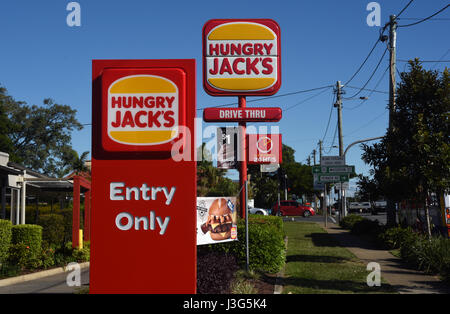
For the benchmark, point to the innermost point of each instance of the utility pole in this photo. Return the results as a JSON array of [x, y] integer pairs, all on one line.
[[314, 156], [338, 105], [392, 66], [391, 215]]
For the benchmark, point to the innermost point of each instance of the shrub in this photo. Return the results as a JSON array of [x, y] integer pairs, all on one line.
[[215, 272], [267, 250], [393, 238], [53, 228], [30, 235], [366, 226], [348, 221], [20, 255], [5, 239]]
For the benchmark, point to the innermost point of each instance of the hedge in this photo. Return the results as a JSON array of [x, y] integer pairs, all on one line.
[[29, 235], [431, 255], [53, 228], [267, 250], [5, 239]]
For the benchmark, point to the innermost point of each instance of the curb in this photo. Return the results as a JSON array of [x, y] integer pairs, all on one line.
[[37, 275], [278, 288]]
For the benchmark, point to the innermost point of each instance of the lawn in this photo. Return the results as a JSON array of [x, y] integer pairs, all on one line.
[[315, 263]]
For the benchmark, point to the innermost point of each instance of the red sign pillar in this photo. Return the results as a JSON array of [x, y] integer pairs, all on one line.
[[243, 158], [143, 218]]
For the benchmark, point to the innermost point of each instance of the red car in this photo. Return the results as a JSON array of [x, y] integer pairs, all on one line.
[[292, 208]]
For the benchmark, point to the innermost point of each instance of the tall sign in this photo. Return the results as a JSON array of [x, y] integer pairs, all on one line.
[[241, 57], [143, 216]]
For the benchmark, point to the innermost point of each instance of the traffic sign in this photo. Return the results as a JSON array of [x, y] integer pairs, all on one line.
[[334, 169], [332, 161], [332, 178], [242, 114]]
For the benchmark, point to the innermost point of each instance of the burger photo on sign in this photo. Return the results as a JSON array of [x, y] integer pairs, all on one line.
[[220, 221]]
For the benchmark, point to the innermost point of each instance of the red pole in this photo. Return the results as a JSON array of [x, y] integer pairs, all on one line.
[[243, 158], [76, 213], [87, 216]]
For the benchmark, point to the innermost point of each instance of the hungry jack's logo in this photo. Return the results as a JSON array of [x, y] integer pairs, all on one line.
[[143, 110], [241, 56]]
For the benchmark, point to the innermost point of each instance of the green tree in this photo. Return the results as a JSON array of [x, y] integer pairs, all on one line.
[[39, 136], [413, 159]]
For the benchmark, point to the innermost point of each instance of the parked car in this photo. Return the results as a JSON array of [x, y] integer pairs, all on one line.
[[292, 208], [258, 211]]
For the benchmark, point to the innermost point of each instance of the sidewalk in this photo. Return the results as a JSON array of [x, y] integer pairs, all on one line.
[[393, 270], [50, 281]]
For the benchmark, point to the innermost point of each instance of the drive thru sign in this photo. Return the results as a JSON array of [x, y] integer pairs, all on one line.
[[143, 218]]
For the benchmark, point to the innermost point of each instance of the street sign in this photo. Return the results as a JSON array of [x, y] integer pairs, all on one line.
[[242, 114], [332, 178], [144, 195], [241, 57], [332, 161], [334, 169], [264, 148], [269, 167]]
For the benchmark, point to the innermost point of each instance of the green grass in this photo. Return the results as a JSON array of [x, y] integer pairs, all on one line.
[[315, 263]]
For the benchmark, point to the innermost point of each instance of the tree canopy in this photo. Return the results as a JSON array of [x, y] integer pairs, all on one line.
[[38, 137], [414, 155]]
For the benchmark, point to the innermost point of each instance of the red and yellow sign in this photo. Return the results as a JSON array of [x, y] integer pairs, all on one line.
[[144, 220], [241, 57], [142, 109]]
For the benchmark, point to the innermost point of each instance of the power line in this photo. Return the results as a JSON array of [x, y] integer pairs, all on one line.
[[406, 6], [371, 76], [305, 100], [376, 43], [424, 61], [427, 18], [329, 118], [370, 94], [272, 97]]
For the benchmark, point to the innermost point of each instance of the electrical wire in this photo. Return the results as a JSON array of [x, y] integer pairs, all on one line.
[[406, 6], [305, 100], [371, 92], [371, 76], [271, 97], [329, 118], [427, 18]]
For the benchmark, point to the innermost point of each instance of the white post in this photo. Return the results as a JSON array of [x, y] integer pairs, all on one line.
[[24, 194], [18, 207], [11, 213]]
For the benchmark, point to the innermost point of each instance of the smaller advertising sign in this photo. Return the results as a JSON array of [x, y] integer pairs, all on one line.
[[216, 220], [264, 148], [242, 114], [227, 147]]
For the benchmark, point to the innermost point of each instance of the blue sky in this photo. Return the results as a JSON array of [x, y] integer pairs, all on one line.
[[322, 41]]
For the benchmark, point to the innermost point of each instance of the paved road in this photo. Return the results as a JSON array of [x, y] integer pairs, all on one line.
[[51, 284], [315, 218]]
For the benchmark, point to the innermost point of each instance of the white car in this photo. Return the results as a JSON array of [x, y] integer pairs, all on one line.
[[258, 211]]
